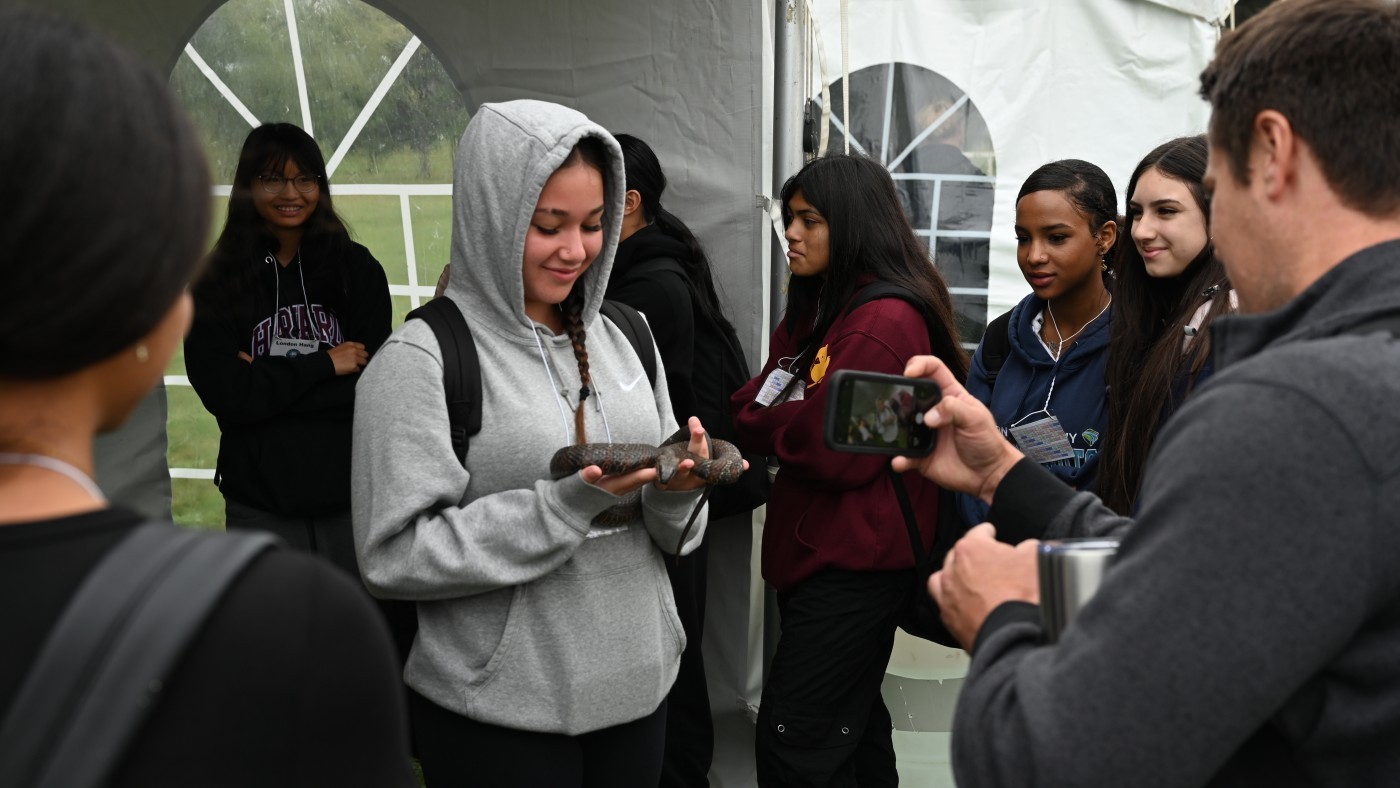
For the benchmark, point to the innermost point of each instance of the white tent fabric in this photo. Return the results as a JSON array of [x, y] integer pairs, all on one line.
[[1100, 80]]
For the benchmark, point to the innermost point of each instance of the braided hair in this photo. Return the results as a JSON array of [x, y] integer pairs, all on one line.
[[591, 152]]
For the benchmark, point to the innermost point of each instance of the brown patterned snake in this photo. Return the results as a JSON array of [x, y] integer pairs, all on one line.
[[724, 466]]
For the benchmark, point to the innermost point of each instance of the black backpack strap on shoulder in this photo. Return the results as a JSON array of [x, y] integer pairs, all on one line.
[[996, 346], [461, 369], [109, 655], [878, 290], [635, 328]]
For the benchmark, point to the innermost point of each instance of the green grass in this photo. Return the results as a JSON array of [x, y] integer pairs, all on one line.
[[375, 222]]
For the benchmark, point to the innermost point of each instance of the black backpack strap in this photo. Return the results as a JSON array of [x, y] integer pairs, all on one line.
[[996, 346], [635, 328], [461, 369], [109, 655], [921, 617]]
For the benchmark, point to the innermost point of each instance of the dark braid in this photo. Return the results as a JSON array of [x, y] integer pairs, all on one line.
[[573, 325]]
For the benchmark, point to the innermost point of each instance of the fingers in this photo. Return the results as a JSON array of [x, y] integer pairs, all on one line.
[[699, 445], [245, 357], [933, 368], [983, 531], [618, 484]]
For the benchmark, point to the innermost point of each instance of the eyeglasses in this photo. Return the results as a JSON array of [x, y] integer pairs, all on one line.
[[273, 184]]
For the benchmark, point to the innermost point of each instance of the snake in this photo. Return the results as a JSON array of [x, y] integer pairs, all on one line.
[[724, 466]]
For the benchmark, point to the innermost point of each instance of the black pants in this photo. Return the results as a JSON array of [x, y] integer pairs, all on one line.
[[456, 752], [822, 720], [329, 536], [690, 731]]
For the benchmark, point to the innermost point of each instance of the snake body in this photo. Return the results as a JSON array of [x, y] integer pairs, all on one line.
[[724, 466]]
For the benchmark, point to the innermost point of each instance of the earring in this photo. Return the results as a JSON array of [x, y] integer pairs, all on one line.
[[1103, 263], [142, 353]]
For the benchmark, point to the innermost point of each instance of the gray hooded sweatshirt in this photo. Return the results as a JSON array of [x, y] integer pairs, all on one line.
[[529, 617]]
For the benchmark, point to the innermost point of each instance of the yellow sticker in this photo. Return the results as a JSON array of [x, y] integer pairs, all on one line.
[[819, 365]]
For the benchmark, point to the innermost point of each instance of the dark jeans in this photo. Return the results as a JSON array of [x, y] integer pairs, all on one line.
[[456, 752], [690, 731], [822, 720]]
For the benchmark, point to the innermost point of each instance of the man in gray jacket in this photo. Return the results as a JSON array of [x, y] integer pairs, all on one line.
[[1249, 633]]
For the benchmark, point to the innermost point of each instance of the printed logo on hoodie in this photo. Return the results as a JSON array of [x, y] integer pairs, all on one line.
[[294, 322]]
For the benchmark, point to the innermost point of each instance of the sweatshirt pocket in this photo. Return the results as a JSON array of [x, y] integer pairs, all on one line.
[[584, 650]]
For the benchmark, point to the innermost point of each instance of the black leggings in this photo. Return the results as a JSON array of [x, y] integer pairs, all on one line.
[[456, 752]]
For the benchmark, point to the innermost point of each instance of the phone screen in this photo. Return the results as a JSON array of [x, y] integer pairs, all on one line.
[[876, 413]]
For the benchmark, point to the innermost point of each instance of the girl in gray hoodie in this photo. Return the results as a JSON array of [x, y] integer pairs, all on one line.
[[546, 644]]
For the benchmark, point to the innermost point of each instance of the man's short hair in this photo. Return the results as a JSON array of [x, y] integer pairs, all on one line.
[[1332, 67]]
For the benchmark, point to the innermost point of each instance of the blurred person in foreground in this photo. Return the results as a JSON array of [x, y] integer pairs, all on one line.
[[290, 679], [1249, 632]]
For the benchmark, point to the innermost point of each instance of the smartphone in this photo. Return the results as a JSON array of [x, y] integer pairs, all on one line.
[[875, 413]]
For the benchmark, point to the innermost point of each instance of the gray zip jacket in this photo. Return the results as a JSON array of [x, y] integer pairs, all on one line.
[[1249, 633], [529, 617]]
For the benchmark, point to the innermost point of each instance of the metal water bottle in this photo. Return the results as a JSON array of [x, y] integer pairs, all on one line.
[[1070, 572]]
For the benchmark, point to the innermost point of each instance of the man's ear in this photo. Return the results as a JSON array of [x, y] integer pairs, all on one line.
[[631, 202], [1274, 152]]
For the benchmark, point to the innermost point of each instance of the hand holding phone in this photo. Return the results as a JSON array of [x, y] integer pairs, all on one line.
[[877, 413]]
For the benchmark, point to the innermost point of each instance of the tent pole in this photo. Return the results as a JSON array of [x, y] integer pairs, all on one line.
[[788, 92]]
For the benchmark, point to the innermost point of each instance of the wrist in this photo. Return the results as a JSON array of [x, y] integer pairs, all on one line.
[[1003, 466]]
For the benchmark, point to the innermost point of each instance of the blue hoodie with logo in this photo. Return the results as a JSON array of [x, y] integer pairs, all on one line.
[[1078, 399]]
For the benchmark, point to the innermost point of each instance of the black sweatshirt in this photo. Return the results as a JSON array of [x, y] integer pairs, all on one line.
[[285, 422], [291, 681]]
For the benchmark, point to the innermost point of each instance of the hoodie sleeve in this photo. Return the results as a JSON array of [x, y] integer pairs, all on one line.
[[413, 536], [371, 311]]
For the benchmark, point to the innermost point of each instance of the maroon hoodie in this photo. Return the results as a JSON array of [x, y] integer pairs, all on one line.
[[834, 509]]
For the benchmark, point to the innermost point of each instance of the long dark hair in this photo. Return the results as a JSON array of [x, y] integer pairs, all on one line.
[[1145, 358], [1090, 190], [246, 240], [644, 175], [869, 238], [103, 229]]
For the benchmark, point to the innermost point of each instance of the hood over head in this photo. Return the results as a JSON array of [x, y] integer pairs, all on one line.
[[506, 154]]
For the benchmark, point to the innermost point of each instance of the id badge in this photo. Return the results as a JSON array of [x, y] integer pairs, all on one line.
[[1043, 441], [291, 348], [773, 386]]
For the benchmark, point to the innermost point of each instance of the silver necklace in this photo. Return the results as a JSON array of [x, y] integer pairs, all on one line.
[[1059, 348], [57, 466]]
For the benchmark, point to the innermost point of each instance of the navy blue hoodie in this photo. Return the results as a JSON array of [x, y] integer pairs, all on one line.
[[1078, 400]]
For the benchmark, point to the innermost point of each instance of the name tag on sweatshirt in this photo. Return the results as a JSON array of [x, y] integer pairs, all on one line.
[[773, 388], [291, 348]]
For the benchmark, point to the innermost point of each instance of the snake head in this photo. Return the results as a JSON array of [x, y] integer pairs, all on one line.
[[667, 463]]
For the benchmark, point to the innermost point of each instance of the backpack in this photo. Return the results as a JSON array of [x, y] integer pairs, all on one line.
[[461, 378], [996, 346], [752, 489], [117, 642]]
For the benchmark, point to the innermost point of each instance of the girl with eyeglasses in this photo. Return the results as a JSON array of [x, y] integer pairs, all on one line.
[[289, 313]]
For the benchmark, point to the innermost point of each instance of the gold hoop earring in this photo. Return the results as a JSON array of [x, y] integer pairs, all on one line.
[[142, 353]]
